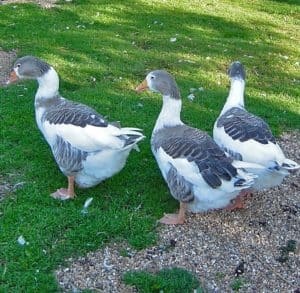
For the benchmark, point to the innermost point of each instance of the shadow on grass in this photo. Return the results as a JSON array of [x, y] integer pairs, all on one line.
[[291, 2]]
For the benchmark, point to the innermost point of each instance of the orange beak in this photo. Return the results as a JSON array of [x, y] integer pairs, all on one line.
[[12, 77], [142, 86]]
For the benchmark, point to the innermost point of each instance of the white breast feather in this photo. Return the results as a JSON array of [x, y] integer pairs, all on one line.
[[38, 117]]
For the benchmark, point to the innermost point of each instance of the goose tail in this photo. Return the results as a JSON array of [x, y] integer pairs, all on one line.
[[244, 180], [290, 166], [131, 136]]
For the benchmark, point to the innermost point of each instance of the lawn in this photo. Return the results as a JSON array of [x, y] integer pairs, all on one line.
[[102, 50]]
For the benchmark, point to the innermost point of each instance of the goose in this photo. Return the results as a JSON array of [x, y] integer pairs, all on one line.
[[248, 138], [86, 147], [198, 173]]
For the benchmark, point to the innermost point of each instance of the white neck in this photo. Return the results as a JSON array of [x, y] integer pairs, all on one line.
[[48, 85], [169, 114], [236, 95]]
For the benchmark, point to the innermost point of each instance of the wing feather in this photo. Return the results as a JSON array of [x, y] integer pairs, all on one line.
[[197, 147], [69, 112], [243, 126], [84, 129]]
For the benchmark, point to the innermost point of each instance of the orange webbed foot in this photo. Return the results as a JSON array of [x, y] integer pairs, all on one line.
[[62, 194], [171, 219], [236, 205], [246, 194]]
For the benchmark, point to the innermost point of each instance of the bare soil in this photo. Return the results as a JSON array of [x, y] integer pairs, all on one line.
[[8, 184], [6, 61]]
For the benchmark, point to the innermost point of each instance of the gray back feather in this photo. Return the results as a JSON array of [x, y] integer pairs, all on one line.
[[63, 111], [242, 125], [231, 153], [196, 146]]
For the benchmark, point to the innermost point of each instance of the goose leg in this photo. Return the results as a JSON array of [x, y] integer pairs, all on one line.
[[64, 193], [239, 201], [246, 193], [237, 204], [175, 219]]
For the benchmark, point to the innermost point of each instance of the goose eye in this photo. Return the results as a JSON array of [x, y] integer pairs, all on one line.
[[152, 77], [19, 65]]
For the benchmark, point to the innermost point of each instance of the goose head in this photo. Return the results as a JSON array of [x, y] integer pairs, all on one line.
[[162, 82], [237, 71], [28, 67]]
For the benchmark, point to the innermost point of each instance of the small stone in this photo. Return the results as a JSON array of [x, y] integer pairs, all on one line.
[[172, 242], [262, 222], [239, 270]]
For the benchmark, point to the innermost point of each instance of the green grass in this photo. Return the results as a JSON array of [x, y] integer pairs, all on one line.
[[173, 280], [237, 284], [117, 42]]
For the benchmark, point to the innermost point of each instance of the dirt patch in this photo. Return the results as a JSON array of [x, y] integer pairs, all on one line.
[[43, 3], [6, 61], [259, 244], [5, 187], [8, 185]]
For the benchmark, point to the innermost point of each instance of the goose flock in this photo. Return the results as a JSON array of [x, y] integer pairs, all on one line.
[[201, 172]]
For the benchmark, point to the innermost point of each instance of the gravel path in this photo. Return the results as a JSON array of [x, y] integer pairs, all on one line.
[[212, 245]]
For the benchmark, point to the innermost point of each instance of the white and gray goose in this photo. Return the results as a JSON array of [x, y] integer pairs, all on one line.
[[198, 173], [86, 147], [249, 138]]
